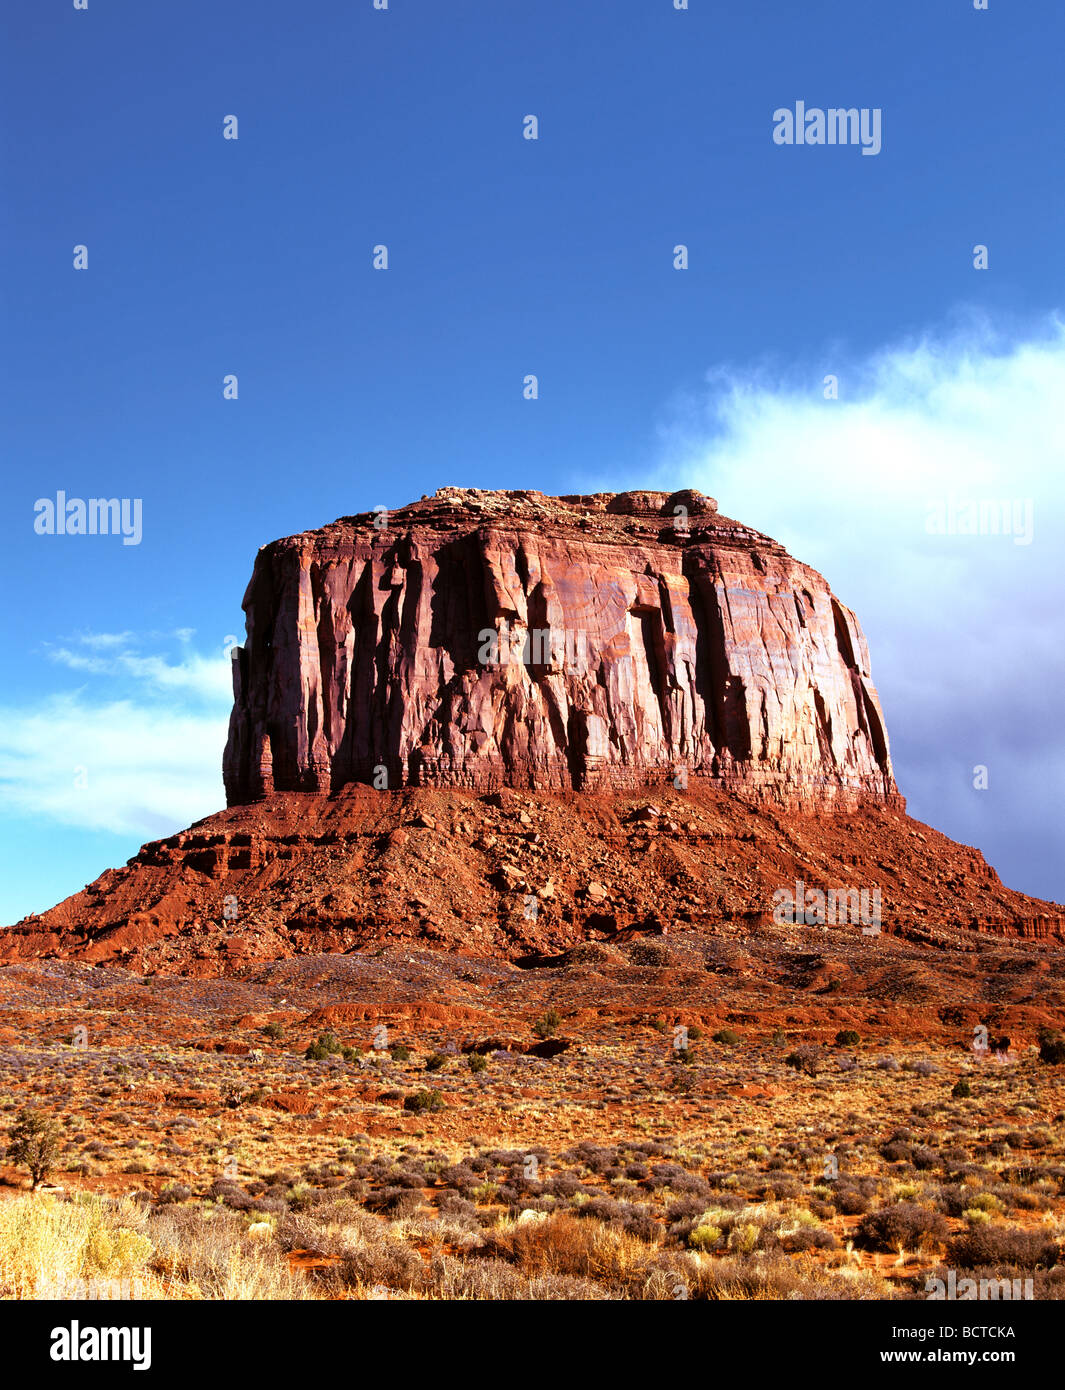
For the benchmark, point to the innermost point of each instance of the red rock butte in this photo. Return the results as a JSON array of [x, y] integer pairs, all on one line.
[[487, 639], [447, 722]]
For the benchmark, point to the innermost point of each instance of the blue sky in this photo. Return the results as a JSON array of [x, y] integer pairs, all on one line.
[[358, 127]]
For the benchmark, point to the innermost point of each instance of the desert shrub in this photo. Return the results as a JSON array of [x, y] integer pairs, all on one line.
[[436, 1061], [561, 1245], [477, 1062], [809, 1238], [460, 1176], [210, 1248], [230, 1193], [807, 1058], [726, 1037], [783, 1187], [328, 1045], [1051, 1047], [847, 1037], [456, 1207], [394, 1201], [547, 1024], [367, 1251], [894, 1151], [921, 1067], [961, 1090], [774, 1275], [274, 1031], [233, 1094], [903, 1226], [1002, 1245], [174, 1192], [420, 1101], [705, 1236], [679, 1179]]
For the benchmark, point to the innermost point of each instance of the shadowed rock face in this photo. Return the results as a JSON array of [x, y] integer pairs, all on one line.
[[487, 639]]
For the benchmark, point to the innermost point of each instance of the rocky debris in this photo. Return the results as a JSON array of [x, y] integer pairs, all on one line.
[[508, 639], [300, 874]]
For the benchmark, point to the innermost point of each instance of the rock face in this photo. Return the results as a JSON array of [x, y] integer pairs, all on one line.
[[508, 639]]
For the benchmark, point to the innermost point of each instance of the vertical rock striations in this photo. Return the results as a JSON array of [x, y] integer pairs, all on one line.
[[488, 639]]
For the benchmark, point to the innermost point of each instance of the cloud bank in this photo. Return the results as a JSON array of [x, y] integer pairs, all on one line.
[[886, 489]]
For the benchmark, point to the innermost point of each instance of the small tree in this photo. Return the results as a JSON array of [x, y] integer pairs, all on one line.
[[806, 1058], [34, 1144], [547, 1024], [328, 1045]]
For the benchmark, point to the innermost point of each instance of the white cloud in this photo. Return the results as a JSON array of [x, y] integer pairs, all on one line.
[[965, 630], [128, 769], [142, 758], [207, 678]]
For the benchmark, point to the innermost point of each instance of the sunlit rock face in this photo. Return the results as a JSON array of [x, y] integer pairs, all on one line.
[[487, 639]]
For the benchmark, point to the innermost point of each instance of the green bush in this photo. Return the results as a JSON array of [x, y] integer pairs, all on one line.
[[401, 1053], [328, 1045], [436, 1061], [421, 1101], [847, 1037], [477, 1062], [726, 1037], [547, 1024], [961, 1090]]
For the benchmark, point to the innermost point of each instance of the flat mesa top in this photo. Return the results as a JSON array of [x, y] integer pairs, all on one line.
[[620, 517]]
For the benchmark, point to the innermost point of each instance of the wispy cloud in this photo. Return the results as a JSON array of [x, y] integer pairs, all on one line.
[[135, 749], [206, 678]]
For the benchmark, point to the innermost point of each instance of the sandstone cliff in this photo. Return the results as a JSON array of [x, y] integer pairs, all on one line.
[[486, 639]]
